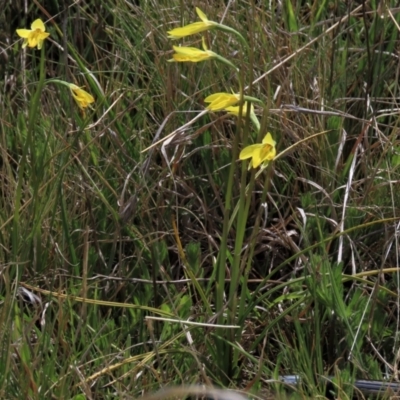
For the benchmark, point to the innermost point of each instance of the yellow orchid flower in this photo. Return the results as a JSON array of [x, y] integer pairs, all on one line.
[[194, 28], [34, 36], [234, 110], [219, 101], [260, 153], [82, 98], [192, 54]]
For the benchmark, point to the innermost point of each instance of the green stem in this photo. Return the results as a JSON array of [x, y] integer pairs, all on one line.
[[36, 97], [254, 100], [229, 363], [225, 61], [236, 270], [255, 121], [28, 146], [253, 236], [36, 169], [228, 29], [225, 350]]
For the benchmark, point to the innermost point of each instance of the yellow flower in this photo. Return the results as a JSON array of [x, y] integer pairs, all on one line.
[[82, 98], [260, 153], [192, 54], [219, 101], [34, 36], [194, 28], [234, 110]]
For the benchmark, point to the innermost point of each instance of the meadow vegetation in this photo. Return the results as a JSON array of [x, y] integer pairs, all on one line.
[[138, 250]]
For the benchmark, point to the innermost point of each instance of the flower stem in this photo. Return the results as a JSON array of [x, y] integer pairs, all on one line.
[[228, 29], [29, 146], [225, 61]]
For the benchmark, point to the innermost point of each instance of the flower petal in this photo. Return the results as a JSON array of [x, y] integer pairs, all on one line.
[[188, 51], [268, 140], [24, 33], [38, 24], [40, 38], [32, 41], [191, 54], [257, 159], [203, 42], [187, 30], [219, 101], [201, 15], [267, 153], [212, 97], [82, 97], [185, 58], [249, 151], [234, 110], [191, 29]]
